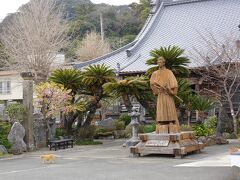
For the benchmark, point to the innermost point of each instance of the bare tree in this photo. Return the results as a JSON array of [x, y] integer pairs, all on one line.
[[220, 67], [34, 36], [92, 47]]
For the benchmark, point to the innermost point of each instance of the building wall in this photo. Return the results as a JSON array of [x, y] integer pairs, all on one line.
[[16, 91]]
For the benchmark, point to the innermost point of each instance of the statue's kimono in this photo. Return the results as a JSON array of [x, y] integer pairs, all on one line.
[[164, 84]]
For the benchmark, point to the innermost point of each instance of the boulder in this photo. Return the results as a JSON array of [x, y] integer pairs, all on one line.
[[3, 150], [221, 140], [106, 123], [15, 137]]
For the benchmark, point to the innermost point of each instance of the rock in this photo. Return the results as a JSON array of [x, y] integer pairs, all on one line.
[[229, 136], [3, 150], [211, 140], [202, 139], [106, 123], [221, 140], [15, 137]]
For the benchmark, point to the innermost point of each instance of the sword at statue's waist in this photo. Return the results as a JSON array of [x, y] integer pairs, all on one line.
[[164, 88]]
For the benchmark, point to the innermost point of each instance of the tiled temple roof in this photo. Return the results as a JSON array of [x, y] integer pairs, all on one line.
[[175, 22]]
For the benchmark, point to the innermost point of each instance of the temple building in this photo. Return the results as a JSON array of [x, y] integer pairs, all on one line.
[[182, 23]]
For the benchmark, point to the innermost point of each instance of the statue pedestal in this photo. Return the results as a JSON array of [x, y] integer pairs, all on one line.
[[177, 144]]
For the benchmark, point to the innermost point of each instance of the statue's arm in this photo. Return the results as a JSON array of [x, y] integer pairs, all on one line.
[[152, 84], [173, 85]]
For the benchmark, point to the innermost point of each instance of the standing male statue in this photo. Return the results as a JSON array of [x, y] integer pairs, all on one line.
[[164, 84]]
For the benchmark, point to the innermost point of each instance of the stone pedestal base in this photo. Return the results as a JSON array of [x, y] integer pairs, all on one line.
[[132, 142], [177, 144]]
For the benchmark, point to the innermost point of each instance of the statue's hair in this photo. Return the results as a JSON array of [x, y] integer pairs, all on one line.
[[162, 58]]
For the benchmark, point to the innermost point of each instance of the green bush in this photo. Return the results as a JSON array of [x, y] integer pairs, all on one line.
[[149, 128], [4, 141], [85, 133], [4, 127], [120, 134], [15, 112], [185, 127], [102, 132], [120, 125], [125, 118], [60, 132], [141, 128], [211, 124], [128, 129], [4, 130], [201, 130]]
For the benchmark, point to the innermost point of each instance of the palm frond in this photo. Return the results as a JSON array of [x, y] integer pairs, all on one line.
[[175, 60], [98, 75], [69, 78]]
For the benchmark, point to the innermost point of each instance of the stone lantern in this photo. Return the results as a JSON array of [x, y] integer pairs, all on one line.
[[134, 123]]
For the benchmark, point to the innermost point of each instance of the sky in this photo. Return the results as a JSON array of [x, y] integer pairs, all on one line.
[[11, 6]]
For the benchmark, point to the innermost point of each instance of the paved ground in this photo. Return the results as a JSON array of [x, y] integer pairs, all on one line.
[[111, 161]]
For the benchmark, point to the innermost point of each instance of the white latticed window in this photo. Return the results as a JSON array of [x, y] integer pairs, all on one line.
[[5, 87]]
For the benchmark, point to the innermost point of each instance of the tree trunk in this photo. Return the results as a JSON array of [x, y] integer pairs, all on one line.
[[90, 115], [188, 117], [49, 134], [48, 130], [80, 120], [70, 120], [127, 102], [235, 124]]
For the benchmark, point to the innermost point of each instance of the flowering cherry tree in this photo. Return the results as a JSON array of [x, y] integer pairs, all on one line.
[[52, 99]]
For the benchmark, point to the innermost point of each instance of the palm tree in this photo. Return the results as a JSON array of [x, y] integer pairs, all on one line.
[[94, 77], [131, 86], [185, 93], [70, 79], [202, 105], [175, 61]]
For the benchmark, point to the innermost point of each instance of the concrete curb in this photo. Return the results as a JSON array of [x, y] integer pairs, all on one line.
[[10, 157]]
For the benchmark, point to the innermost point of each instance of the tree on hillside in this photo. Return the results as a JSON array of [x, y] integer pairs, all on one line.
[[34, 36], [81, 25], [142, 9], [3, 56], [92, 47], [222, 71]]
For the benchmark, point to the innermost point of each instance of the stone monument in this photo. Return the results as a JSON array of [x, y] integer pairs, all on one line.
[[15, 137], [28, 109], [167, 139]]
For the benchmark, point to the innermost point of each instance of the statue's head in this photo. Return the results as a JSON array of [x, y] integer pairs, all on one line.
[[161, 61]]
